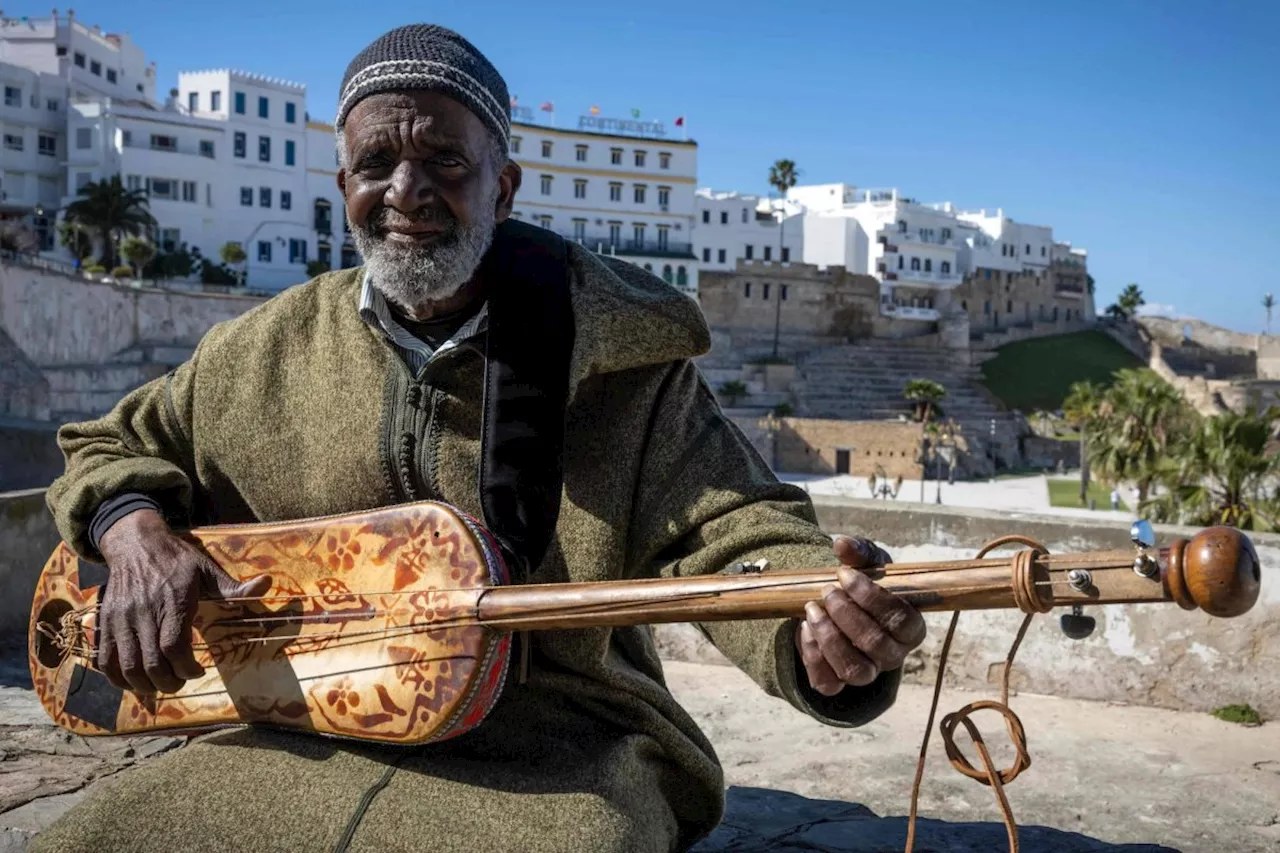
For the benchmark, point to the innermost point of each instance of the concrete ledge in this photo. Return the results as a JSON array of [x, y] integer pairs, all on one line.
[[27, 538]]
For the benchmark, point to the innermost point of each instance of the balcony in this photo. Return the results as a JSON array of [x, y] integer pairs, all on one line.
[[1068, 289], [647, 248], [941, 279], [908, 312], [890, 234]]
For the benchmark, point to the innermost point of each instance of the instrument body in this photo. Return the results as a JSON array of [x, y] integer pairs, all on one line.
[[318, 653], [394, 625]]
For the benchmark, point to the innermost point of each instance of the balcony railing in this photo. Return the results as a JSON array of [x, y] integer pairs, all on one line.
[[891, 234], [921, 275], [908, 312], [655, 248]]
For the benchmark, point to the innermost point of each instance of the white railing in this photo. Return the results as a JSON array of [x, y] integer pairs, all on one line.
[[908, 312]]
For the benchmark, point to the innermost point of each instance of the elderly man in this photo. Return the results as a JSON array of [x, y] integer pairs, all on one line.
[[484, 363]]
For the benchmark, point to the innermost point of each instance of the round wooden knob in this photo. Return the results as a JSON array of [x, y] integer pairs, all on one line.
[[1220, 571]]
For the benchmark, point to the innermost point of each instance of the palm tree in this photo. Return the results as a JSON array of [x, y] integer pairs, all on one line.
[[1268, 302], [1127, 303], [1140, 418], [1081, 410], [111, 211], [782, 177], [925, 394], [1222, 473]]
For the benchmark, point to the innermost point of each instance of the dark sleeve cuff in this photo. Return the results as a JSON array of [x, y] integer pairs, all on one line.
[[113, 509], [853, 706]]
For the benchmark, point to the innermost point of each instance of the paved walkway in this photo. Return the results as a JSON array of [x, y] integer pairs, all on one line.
[[1016, 494]]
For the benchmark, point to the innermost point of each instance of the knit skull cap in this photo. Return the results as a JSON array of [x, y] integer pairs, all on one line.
[[431, 57]]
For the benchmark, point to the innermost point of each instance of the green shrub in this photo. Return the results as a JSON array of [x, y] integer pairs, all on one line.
[[122, 271], [1239, 714], [95, 269]]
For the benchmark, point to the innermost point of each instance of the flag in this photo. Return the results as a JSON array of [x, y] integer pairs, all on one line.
[[514, 98], [635, 113], [680, 121], [595, 111], [548, 107]]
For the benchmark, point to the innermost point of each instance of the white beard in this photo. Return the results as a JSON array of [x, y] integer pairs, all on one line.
[[410, 276]]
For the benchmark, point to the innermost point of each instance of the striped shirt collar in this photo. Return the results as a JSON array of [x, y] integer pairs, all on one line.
[[375, 311]]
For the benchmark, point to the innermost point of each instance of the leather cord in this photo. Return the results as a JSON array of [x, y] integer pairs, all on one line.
[[1029, 600]]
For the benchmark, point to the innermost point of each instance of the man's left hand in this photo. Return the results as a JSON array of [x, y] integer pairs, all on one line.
[[857, 630]]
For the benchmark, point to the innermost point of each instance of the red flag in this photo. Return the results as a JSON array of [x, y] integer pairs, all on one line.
[[548, 107], [514, 98], [680, 121]]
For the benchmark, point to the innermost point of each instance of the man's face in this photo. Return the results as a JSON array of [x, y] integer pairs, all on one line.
[[424, 191]]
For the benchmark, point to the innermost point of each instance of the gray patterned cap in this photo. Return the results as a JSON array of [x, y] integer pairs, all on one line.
[[427, 56]]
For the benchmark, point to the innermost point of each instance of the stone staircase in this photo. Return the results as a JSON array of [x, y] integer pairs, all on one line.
[[865, 382]]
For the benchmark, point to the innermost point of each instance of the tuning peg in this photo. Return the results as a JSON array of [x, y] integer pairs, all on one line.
[[1076, 625]]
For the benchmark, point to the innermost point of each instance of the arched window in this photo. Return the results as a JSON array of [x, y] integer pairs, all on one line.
[[682, 276], [915, 264], [946, 267], [666, 273]]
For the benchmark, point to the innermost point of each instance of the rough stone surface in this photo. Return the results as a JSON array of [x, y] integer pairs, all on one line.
[[27, 538]]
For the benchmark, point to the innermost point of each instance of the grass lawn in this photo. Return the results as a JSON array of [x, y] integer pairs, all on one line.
[[1037, 373], [1066, 493]]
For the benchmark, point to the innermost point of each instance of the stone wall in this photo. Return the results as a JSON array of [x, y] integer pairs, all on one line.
[[1171, 332], [1044, 452], [1148, 654], [29, 455], [27, 538], [24, 390], [810, 445], [1050, 300]]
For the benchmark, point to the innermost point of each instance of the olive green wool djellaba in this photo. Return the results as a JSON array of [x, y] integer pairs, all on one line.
[[281, 414]]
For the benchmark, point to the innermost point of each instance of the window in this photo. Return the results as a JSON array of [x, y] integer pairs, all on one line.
[[52, 104], [987, 274], [78, 59], [580, 153], [163, 188], [111, 75], [515, 145], [323, 216], [765, 288], [215, 100], [664, 160], [768, 253], [263, 111], [746, 290], [1042, 251], [169, 239], [264, 196], [12, 96], [297, 251], [291, 113], [664, 196], [928, 264], [615, 156], [1010, 308], [545, 182], [324, 253], [720, 256], [915, 264], [579, 188], [902, 226], [288, 152], [82, 180], [206, 148], [946, 267], [133, 182], [615, 232], [240, 103], [189, 191], [706, 217], [193, 102], [47, 145], [615, 192], [782, 292], [986, 307], [668, 275], [546, 148], [663, 234], [579, 229], [286, 200], [750, 252], [900, 260], [95, 67], [744, 215], [1028, 248], [946, 233], [544, 221], [239, 144], [724, 217], [640, 159], [264, 149], [84, 137], [706, 256], [639, 193], [13, 142], [161, 142], [637, 234], [264, 251], [786, 257]]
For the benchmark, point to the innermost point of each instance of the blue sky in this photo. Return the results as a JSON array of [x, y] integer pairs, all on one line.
[[1146, 131]]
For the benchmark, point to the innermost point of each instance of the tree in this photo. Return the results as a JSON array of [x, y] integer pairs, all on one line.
[[1268, 302], [925, 393], [233, 253], [1081, 406], [109, 210], [1222, 472], [783, 175], [76, 239], [1141, 418], [137, 252], [1127, 303], [733, 390]]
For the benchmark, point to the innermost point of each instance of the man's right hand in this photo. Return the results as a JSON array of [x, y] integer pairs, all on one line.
[[144, 621]]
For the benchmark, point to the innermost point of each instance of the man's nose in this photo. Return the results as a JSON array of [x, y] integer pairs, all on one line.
[[410, 188]]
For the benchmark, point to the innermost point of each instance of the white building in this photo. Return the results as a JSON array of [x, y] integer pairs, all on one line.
[[919, 252], [730, 226], [334, 247], [617, 187]]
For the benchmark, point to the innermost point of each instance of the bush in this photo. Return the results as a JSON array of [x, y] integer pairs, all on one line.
[[122, 271], [211, 273], [95, 269], [783, 410], [315, 268]]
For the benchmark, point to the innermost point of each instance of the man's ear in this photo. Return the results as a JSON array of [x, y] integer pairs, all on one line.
[[342, 183], [509, 180]]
